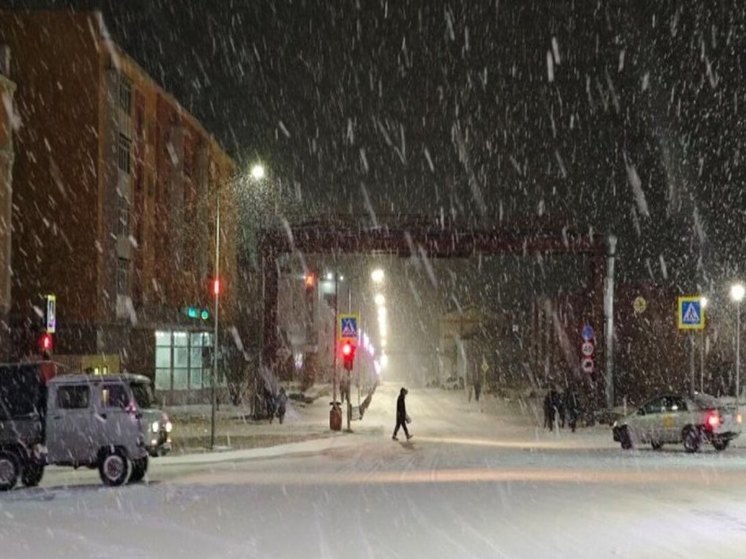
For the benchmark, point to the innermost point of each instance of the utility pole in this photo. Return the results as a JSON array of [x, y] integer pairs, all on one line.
[[609, 320], [216, 292]]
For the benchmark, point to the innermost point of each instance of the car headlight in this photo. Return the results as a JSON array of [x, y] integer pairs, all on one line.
[[613, 424], [154, 427], [169, 426]]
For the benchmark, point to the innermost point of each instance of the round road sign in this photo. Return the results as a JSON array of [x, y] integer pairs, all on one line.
[[587, 365], [587, 349], [587, 333]]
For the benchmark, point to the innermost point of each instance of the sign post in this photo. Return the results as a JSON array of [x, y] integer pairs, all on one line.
[[348, 332], [50, 315], [690, 316], [587, 349]]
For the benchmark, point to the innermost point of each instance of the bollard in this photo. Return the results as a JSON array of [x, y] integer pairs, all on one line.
[[335, 416]]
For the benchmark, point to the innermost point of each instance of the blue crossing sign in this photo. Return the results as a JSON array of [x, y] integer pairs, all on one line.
[[348, 326], [691, 313]]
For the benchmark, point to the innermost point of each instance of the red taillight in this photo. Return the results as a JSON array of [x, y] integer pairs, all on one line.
[[714, 419]]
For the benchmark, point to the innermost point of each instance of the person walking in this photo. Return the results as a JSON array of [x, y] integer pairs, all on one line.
[[282, 399], [572, 407], [401, 415]]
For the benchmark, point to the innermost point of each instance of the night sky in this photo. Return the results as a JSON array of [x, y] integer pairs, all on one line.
[[626, 117]]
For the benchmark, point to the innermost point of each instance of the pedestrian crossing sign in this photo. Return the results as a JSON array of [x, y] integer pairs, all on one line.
[[348, 326], [691, 314]]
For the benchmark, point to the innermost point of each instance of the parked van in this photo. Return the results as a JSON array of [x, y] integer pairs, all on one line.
[[102, 422]]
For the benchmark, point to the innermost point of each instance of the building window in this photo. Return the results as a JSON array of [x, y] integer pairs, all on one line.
[[123, 276], [124, 217], [124, 153], [125, 93], [179, 363]]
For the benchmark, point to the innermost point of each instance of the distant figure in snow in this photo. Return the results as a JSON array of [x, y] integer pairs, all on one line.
[[401, 415], [571, 405], [269, 399], [282, 400], [552, 404]]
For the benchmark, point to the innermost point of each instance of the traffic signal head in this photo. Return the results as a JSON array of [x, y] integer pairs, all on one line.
[[348, 355], [197, 312], [46, 343], [216, 287]]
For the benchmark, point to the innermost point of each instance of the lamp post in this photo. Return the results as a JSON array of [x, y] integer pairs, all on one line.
[[257, 173], [737, 292], [216, 293], [703, 302]]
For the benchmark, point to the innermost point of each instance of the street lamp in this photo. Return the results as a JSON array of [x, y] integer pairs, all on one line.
[[257, 172], [737, 292], [377, 275]]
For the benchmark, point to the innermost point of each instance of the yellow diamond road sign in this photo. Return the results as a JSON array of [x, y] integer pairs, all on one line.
[[690, 314]]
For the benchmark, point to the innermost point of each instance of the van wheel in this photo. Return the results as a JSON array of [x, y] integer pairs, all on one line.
[[139, 467], [656, 445], [32, 474], [624, 438], [9, 469], [691, 438], [113, 467]]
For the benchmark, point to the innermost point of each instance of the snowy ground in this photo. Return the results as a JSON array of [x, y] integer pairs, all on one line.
[[470, 484]]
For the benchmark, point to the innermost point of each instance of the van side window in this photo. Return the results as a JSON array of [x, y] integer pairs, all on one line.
[[73, 397], [114, 396]]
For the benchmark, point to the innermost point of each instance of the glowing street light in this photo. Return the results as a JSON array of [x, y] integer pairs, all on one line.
[[379, 299], [377, 275], [257, 171]]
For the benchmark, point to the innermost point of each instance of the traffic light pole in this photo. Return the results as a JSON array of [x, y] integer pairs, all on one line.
[[334, 345], [216, 292]]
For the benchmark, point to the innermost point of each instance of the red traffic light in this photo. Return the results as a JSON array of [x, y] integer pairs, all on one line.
[[348, 355], [216, 287], [46, 342], [310, 280]]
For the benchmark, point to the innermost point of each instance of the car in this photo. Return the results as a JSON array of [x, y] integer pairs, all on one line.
[[105, 422], [685, 419]]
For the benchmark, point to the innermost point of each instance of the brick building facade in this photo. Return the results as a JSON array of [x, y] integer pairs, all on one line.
[[114, 205], [7, 89]]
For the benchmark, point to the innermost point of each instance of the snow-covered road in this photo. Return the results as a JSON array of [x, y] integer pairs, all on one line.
[[470, 484]]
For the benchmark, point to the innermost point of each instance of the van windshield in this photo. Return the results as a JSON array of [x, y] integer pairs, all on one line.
[[143, 395]]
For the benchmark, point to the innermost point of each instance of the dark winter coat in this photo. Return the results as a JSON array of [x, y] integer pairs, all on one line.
[[282, 400], [401, 407]]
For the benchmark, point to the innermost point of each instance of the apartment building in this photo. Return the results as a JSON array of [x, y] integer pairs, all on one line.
[[7, 89], [114, 206]]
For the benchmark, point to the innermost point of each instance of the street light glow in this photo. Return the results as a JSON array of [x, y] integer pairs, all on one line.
[[703, 301], [737, 292], [257, 171], [377, 275], [379, 299]]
